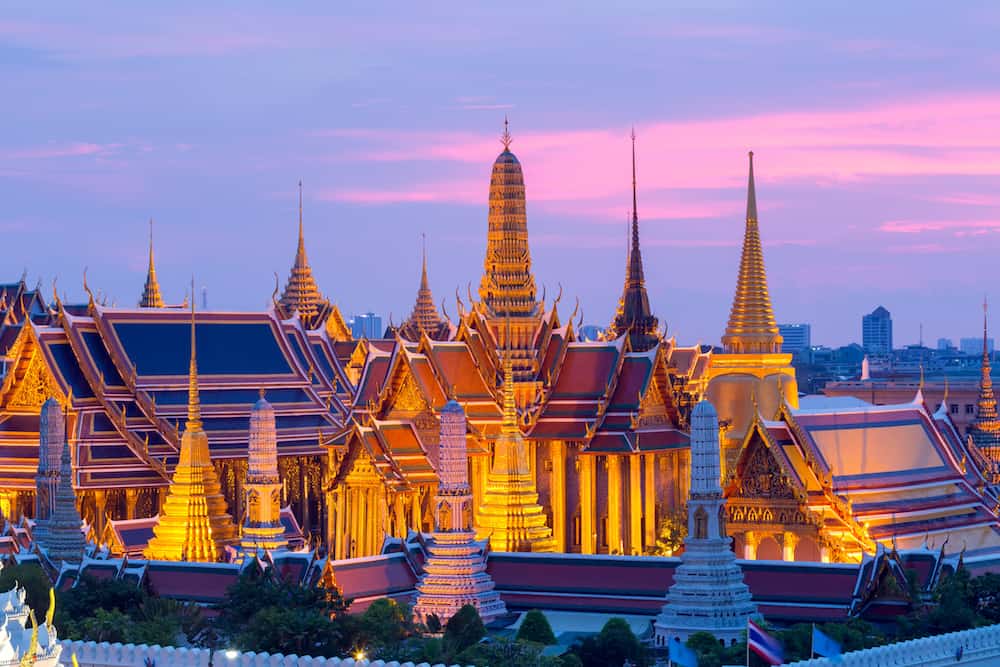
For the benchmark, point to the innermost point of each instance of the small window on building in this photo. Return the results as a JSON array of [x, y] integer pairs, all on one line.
[[954, 408], [547, 465], [970, 409]]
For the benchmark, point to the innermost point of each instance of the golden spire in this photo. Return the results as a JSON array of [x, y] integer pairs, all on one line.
[[507, 287], [985, 430], [194, 524], [424, 318], [301, 293], [151, 297], [634, 315], [194, 404], [752, 328]]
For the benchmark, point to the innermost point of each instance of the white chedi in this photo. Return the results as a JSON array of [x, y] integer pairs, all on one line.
[[708, 594], [22, 639]]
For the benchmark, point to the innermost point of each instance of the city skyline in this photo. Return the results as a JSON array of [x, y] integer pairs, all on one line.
[[874, 184]]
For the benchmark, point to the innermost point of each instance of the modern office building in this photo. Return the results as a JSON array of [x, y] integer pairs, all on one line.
[[974, 346], [876, 332], [797, 338], [368, 325]]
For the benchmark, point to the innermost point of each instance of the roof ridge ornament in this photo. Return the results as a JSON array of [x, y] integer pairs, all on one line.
[[505, 138]]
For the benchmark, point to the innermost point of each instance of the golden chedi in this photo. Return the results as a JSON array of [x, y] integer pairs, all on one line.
[[194, 524]]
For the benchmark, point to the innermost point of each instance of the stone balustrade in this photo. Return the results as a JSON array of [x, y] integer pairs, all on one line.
[[93, 654], [979, 646]]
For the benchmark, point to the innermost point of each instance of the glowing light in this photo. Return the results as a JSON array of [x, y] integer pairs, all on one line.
[[232, 654], [360, 655]]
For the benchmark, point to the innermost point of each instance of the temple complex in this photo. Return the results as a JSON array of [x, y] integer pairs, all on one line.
[[455, 569], [570, 446], [262, 527], [752, 371], [708, 594], [194, 524]]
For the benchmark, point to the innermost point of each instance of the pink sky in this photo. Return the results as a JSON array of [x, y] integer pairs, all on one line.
[[876, 139]]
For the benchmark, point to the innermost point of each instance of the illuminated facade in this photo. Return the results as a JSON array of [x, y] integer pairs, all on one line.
[[985, 430], [586, 441]]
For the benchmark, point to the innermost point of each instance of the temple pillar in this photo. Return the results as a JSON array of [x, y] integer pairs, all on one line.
[[353, 512], [400, 512], [381, 520], [8, 505], [588, 532], [649, 499], [332, 517], [615, 541], [131, 496], [788, 543], [306, 517], [750, 541], [635, 504], [417, 515], [480, 468], [100, 511], [557, 493], [824, 554]]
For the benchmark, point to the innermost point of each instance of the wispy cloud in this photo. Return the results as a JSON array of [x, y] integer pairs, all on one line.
[[920, 226]]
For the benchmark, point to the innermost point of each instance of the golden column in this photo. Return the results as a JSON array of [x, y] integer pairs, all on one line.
[[649, 497], [635, 504], [557, 492], [588, 506], [616, 544]]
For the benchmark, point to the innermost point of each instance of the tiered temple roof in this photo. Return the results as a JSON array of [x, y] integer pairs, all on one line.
[[124, 374], [893, 474]]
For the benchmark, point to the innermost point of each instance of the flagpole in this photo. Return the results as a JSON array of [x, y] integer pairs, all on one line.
[[812, 643], [748, 642]]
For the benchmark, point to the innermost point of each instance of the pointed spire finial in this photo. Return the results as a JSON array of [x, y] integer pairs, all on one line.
[[505, 138], [151, 297], [194, 405], [751, 194], [302, 241]]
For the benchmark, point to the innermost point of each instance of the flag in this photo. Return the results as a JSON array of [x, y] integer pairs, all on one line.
[[764, 645], [681, 655], [824, 645]]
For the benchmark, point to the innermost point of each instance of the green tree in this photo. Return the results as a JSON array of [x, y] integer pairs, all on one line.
[[385, 624], [986, 593], [33, 580], [670, 533], [291, 630], [462, 631], [105, 625], [535, 628], [613, 645]]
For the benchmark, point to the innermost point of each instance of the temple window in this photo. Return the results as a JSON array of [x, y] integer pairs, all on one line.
[[954, 408], [970, 409]]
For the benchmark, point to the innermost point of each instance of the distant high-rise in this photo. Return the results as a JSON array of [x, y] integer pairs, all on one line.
[[797, 338], [945, 344], [876, 332], [368, 325], [974, 346]]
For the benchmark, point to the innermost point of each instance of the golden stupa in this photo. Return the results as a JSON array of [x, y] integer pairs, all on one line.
[[194, 524]]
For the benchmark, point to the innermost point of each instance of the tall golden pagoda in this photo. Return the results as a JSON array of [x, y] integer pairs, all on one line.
[[510, 514], [752, 374], [634, 316], [507, 290], [985, 430], [194, 524], [151, 297], [425, 317], [301, 293]]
